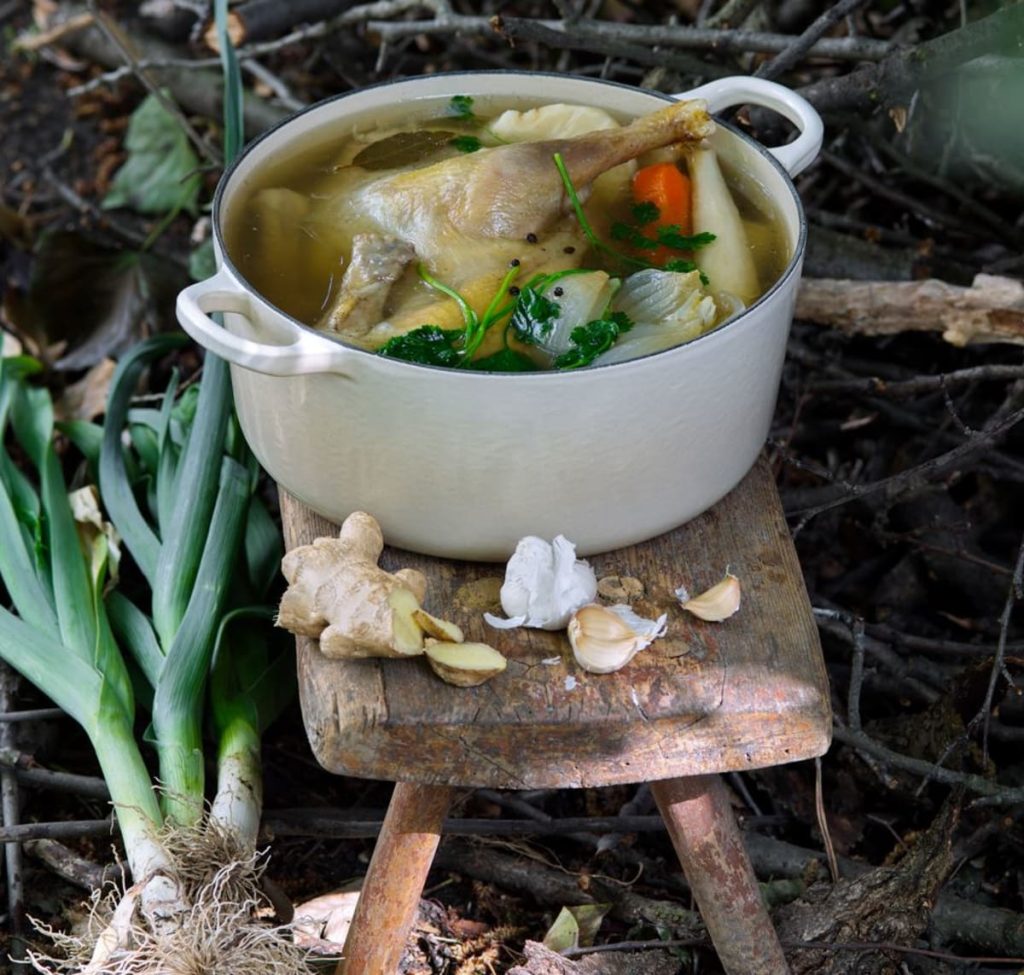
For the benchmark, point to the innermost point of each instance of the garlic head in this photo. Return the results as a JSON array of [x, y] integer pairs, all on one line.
[[544, 584]]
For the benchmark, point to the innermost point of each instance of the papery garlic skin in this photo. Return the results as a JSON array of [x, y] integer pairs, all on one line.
[[605, 638], [544, 585], [649, 630], [718, 603]]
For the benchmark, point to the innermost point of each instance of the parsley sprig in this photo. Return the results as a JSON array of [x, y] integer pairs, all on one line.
[[531, 315], [460, 108]]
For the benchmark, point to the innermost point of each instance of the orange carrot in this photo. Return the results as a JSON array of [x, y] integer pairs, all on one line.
[[670, 191]]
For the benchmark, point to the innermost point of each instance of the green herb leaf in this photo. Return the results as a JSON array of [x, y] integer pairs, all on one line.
[[461, 106], [160, 175], [671, 236], [507, 360], [646, 212], [429, 345], [467, 143], [681, 266], [590, 340], [533, 316], [632, 236]]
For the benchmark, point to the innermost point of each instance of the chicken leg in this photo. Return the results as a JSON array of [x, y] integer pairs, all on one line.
[[476, 210]]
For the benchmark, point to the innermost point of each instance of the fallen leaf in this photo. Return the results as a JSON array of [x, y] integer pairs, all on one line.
[[85, 302], [87, 398], [9, 345], [322, 924], [160, 174], [575, 926]]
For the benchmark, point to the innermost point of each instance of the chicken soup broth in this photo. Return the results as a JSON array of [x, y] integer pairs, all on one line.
[[490, 234]]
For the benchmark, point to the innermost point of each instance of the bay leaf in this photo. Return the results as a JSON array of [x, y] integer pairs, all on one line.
[[403, 149]]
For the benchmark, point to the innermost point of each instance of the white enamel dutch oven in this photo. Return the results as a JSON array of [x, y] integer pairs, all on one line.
[[463, 464]]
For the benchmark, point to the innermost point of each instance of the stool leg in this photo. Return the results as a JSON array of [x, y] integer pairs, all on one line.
[[390, 895], [707, 840]]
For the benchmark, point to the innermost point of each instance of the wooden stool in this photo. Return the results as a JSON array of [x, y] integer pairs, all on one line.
[[706, 698]]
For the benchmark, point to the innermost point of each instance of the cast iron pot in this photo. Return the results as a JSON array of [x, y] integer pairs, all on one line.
[[463, 464]]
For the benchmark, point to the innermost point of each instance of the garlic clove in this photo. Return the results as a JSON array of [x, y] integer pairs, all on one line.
[[464, 664], [605, 638], [718, 603]]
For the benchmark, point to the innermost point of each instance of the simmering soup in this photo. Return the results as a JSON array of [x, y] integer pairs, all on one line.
[[511, 238]]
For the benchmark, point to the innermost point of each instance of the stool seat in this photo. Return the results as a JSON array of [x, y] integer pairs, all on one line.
[[707, 697]]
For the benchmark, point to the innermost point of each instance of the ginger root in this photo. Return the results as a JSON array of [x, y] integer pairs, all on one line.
[[338, 593]]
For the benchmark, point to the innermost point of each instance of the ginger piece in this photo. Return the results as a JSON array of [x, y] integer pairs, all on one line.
[[464, 664], [338, 593]]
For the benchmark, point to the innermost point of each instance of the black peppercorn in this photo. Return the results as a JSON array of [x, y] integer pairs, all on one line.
[[531, 238]]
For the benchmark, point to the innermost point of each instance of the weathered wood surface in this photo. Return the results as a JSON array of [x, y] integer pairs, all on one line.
[[708, 697]]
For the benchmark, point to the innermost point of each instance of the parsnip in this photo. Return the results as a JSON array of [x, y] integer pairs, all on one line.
[[339, 593], [727, 261]]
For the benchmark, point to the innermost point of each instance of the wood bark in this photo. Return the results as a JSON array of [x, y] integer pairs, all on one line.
[[990, 310]]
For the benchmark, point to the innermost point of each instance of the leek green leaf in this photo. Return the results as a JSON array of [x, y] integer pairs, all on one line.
[[87, 437], [71, 683], [234, 104], [199, 469], [134, 631], [115, 483], [263, 548], [29, 591]]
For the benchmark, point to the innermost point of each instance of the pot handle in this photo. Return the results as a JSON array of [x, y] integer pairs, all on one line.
[[305, 353], [741, 90]]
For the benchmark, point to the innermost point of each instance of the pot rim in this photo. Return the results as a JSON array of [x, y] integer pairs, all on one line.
[[780, 283]]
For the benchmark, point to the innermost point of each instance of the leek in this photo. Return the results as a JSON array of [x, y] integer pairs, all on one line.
[[61, 639], [79, 642], [179, 486]]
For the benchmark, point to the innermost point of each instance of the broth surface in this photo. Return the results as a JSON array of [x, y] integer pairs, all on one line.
[[291, 239]]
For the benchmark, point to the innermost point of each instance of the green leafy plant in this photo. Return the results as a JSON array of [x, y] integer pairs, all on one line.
[[161, 174]]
